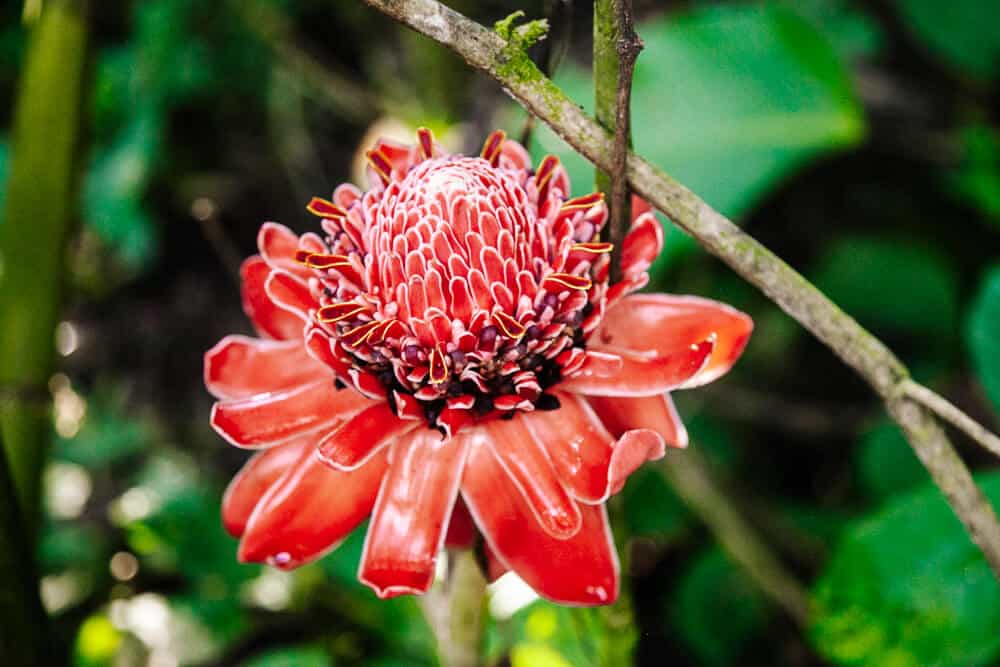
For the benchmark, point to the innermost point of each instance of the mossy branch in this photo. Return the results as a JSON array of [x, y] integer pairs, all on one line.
[[503, 60]]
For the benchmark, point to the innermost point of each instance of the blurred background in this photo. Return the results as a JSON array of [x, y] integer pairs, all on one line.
[[857, 139]]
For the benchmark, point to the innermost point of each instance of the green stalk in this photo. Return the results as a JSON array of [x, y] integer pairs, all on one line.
[[606, 64], [23, 640], [40, 203]]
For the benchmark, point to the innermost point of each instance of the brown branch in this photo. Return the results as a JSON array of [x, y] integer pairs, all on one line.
[[628, 46], [949, 412], [506, 61]]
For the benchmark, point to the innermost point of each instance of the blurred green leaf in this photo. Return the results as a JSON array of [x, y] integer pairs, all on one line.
[[891, 284], [4, 166], [107, 435], [544, 634], [906, 586], [116, 184], [852, 32], [652, 509], [716, 609], [977, 178], [960, 32], [398, 623], [763, 93], [886, 462], [983, 335], [96, 642], [299, 656], [66, 544]]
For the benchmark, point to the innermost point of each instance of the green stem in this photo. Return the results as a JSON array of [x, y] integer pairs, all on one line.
[[24, 640], [606, 63], [455, 611], [39, 207]]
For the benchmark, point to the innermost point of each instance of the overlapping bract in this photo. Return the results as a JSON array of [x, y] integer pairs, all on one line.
[[448, 358]]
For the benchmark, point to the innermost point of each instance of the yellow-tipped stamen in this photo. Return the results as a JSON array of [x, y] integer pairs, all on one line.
[[582, 203], [338, 312], [569, 281], [426, 141], [381, 164], [325, 208], [595, 248], [508, 326], [438, 366], [492, 146]]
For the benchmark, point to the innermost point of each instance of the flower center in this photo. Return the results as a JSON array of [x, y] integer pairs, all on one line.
[[462, 285]]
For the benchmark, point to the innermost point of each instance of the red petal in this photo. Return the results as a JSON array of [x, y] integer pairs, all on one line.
[[591, 463], [461, 529], [277, 245], [269, 419], [309, 511], [291, 293], [529, 468], [653, 412], [412, 512], [581, 570], [253, 480], [239, 367], [357, 440], [661, 323], [642, 245], [269, 319]]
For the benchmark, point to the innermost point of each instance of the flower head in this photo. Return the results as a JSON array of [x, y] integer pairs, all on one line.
[[448, 356]]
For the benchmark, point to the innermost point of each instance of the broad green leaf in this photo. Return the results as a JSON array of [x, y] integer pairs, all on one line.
[[547, 635], [108, 433], [717, 609], [886, 463], [299, 656], [906, 586], [983, 335], [960, 32], [891, 284], [730, 100]]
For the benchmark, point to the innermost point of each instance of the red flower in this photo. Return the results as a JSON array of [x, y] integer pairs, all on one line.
[[448, 353]]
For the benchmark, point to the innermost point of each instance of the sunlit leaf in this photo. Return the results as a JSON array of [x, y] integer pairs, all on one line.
[[906, 586]]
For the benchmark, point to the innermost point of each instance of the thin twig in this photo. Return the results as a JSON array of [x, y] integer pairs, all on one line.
[[947, 411], [689, 475], [507, 62], [628, 46]]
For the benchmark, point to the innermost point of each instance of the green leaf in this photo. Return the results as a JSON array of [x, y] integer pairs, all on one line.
[[108, 433], [97, 642], [983, 335], [960, 32], [906, 586], [977, 178], [886, 462], [547, 635], [891, 284], [763, 94], [716, 609], [299, 656]]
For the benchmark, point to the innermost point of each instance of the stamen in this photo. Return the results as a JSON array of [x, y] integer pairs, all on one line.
[[339, 311], [360, 334], [545, 172], [554, 281], [582, 203], [426, 140], [594, 248], [381, 164], [325, 209], [321, 261], [508, 325], [439, 366], [492, 146]]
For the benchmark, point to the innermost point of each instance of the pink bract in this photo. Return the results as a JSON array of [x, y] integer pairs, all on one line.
[[447, 357]]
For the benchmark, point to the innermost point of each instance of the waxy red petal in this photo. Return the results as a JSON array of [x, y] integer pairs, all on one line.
[[239, 367], [278, 245], [581, 570], [591, 463], [461, 528], [358, 439], [309, 511], [267, 317], [253, 480], [411, 515], [269, 419], [660, 324], [291, 293], [653, 412], [528, 465], [642, 245]]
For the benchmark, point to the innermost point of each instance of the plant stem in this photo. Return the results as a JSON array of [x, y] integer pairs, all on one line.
[[455, 611], [507, 62], [40, 204], [24, 639]]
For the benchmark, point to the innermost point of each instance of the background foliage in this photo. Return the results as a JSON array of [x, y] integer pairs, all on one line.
[[858, 139]]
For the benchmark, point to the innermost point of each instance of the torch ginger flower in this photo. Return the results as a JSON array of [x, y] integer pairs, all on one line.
[[448, 356]]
